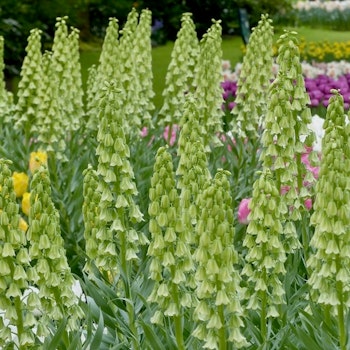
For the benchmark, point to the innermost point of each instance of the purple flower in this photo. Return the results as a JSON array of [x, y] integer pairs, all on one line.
[[315, 102], [158, 24], [231, 105], [227, 94]]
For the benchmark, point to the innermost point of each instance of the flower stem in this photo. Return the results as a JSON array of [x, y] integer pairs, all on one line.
[[19, 322], [299, 178], [263, 315], [129, 305], [304, 236], [340, 307], [341, 325], [178, 319], [327, 315], [178, 333], [222, 332]]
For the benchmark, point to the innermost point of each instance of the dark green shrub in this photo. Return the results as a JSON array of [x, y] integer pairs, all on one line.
[[257, 7]]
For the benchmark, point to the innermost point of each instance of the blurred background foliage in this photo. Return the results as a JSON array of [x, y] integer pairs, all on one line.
[[18, 17]]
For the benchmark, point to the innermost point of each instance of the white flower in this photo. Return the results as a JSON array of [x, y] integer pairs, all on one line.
[[226, 65], [316, 126], [329, 6]]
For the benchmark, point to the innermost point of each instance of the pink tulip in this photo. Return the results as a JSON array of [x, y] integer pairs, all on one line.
[[308, 203], [305, 159], [171, 140], [144, 131], [244, 211], [223, 138], [284, 189]]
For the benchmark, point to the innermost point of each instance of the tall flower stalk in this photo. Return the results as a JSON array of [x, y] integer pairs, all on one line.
[[218, 312], [14, 261], [105, 69], [91, 122], [126, 73], [180, 72], [329, 263], [254, 82], [91, 216], [60, 93], [117, 185], [143, 69], [118, 251], [286, 134], [6, 97], [29, 88], [49, 128], [192, 170], [74, 108], [207, 82], [289, 101], [49, 272], [266, 255], [169, 251]]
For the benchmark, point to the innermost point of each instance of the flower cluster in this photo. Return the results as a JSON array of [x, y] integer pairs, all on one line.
[[318, 14], [21, 180], [328, 265], [218, 283], [319, 79], [244, 205], [14, 261], [328, 6], [21, 184], [169, 252], [265, 244], [253, 82], [319, 89], [181, 71], [324, 51]]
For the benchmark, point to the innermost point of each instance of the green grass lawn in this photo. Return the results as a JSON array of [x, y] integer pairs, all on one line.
[[310, 34], [231, 46]]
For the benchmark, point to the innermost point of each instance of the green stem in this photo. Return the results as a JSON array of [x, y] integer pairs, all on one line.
[[263, 315], [170, 130], [178, 333], [304, 237], [126, 279], [178, 319], [52, 168], [341, 310], [64, 313], [135, 337], [19, 323], [27, 134], [341, 325], [18, 308], [327, 315], [222, 330], [300, 168]]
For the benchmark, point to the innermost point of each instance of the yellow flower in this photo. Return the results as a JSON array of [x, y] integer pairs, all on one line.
[[20, 183], [26, 203], [37, 159], [23, 225]]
